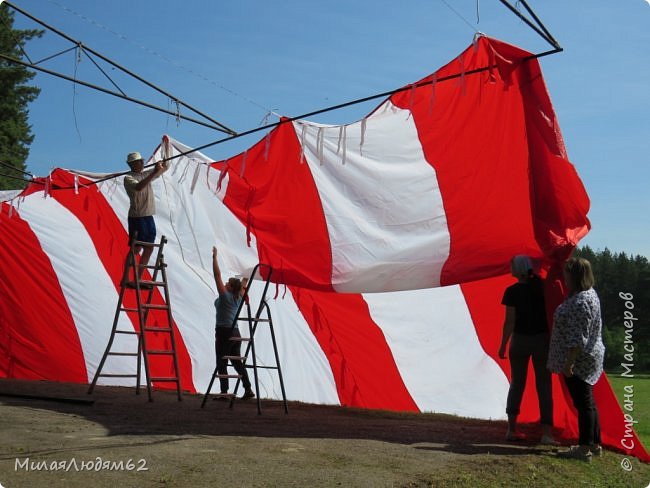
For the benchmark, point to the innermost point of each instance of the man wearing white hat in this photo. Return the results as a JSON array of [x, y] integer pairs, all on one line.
[[137, 183]]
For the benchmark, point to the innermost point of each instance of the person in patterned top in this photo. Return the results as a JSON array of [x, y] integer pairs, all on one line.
[[577, 352]]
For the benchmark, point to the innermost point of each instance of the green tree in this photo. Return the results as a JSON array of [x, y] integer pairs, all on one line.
[[15, 95]]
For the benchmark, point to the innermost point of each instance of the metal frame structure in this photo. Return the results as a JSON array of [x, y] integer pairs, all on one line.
[[209, 121], [535, 24]]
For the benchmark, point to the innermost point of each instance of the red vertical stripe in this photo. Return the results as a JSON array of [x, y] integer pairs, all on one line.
[[494, 142], [110, 240], [475, 139], [276, 198], [362, 363], [38, 337]]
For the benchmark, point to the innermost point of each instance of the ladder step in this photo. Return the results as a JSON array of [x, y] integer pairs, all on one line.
[[245, 319], [128, 309], [153, 283], [234, 358], [146, 244], [153, 266], [123, 353], [160, 352], [107, 375], [157, 329], [166, 378], [126, 332], [219, 396], [132, 285], [234, 376], [155, 307], [240, 339]]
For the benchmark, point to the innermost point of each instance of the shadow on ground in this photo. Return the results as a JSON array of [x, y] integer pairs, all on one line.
[[121, 412]]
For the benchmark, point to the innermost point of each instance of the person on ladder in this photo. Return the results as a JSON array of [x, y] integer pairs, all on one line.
[[227, 305], [142, 227]]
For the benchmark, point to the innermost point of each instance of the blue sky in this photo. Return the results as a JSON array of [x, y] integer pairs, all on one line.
[[236, 61]]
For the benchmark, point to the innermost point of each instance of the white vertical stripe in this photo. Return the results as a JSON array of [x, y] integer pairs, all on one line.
[[88, 290], [305, 369], [436, 349], [383, 207]]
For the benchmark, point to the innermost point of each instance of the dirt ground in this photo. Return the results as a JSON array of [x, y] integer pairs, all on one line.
[[55, 434]]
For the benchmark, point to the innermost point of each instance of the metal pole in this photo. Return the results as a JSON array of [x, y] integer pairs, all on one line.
[[109, 92], [139, 78], [548, 39], [539, 22]]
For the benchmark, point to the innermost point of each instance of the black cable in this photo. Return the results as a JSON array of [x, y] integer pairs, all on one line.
[[354, 102], [17, 178], [11, 166]]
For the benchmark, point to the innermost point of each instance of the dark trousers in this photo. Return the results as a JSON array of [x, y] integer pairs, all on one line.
[[522, 349], [225, 347], [583, 399]]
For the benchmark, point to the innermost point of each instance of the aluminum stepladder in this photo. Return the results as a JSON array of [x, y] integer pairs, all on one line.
[[253, 322], [161, 332]]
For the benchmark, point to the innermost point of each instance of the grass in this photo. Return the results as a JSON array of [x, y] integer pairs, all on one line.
[[541, 471], [640, 384]]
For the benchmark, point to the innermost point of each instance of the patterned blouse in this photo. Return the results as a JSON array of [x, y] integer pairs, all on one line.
[[577, 322]]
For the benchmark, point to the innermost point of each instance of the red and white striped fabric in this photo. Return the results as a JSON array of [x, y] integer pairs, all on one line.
[[440, 185]]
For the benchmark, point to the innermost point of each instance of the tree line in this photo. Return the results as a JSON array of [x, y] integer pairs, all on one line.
[[622, 282], [15, 96]]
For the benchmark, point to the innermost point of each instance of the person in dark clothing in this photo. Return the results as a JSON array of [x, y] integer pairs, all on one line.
[[526, 329], [227, 304]]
